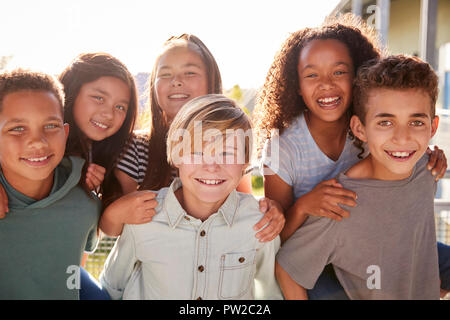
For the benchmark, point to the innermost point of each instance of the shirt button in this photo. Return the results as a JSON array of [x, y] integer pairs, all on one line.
[[241, 259], [202, 233], [201, 268], [187, 218]]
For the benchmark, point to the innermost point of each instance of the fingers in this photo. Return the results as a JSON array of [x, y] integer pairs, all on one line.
[[332, 183], [95, 174], [146, 195], [433, 158], [97, 168], [335, 212], [263, 204], [437, 163], [275, 219], [92, 181], [340, 193]]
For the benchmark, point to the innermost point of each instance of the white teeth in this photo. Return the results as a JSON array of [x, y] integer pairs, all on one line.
[[210, 181], [101, 125], [37, 159], [399, 154], [178, 96], [328, 100]]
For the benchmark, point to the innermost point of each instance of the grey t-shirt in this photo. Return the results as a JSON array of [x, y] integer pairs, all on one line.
[[386, 249]]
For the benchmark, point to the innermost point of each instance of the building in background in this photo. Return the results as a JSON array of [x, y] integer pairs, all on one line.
[[414, 27]]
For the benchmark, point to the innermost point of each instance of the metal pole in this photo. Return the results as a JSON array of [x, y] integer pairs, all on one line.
[[428, 29], [357, 7], [382, 20]]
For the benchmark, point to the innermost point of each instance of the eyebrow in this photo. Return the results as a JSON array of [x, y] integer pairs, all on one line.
[[414, 115], [311, 66]]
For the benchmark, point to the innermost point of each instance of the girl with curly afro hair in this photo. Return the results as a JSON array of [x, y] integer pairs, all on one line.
[[302, 124]]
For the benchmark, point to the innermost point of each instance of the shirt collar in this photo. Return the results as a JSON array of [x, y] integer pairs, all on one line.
[[175, 212]]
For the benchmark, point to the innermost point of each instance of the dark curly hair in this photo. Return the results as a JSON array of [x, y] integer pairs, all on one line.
[[393, 72], [279, 102]]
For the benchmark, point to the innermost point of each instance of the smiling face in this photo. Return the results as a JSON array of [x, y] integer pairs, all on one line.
[[32, 137], [209, 175], [398, 127], [325, 71], [101, 107], [180, 76]]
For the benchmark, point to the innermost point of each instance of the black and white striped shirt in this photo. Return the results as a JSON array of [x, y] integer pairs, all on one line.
[[135, 159]]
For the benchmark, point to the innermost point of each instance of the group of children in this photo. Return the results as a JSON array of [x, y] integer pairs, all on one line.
[[352, 129]]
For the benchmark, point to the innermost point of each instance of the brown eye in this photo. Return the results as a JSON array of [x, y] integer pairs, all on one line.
[[385, 123], [417, 123]]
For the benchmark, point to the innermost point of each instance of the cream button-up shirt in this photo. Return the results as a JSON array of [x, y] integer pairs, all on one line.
[[177, 256]]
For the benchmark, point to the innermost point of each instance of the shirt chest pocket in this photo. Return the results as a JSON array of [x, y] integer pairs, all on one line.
[[237, 271]]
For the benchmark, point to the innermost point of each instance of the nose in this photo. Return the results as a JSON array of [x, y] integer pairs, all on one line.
[[176, 82], [210, 163], [401, 135], [326, 83], [38, 141], [107, 112]]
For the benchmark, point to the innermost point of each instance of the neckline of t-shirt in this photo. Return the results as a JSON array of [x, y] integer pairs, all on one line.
[[379, 183], [304, 126]]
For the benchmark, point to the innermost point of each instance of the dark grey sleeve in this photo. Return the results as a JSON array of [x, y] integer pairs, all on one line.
[[304, 255]]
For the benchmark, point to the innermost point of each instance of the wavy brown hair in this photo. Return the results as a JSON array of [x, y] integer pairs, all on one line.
[[158, 172], [279, 102], [85, 68], [398, 72]]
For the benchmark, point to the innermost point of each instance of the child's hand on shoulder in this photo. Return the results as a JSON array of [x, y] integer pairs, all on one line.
[[137, 207], [437, 163], [3, 202], [273, 214], [95, 175], [324, 200]]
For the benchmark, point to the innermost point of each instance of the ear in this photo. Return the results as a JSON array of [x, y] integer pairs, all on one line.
[[434, 125], [358, 128], [66, 130]]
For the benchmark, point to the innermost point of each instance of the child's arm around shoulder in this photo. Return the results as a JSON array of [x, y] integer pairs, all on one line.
[[137, 207]]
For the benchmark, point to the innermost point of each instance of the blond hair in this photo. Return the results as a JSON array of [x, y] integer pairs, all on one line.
[[210, 113]]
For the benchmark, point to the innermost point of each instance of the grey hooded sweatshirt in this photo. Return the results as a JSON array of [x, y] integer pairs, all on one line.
[[42, 241]]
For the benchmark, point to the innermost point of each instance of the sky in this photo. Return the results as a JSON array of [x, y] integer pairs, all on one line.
[[243, 35]]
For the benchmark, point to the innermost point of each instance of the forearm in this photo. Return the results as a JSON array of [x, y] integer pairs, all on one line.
[[110, 222], [291, 289], [295, 217]]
